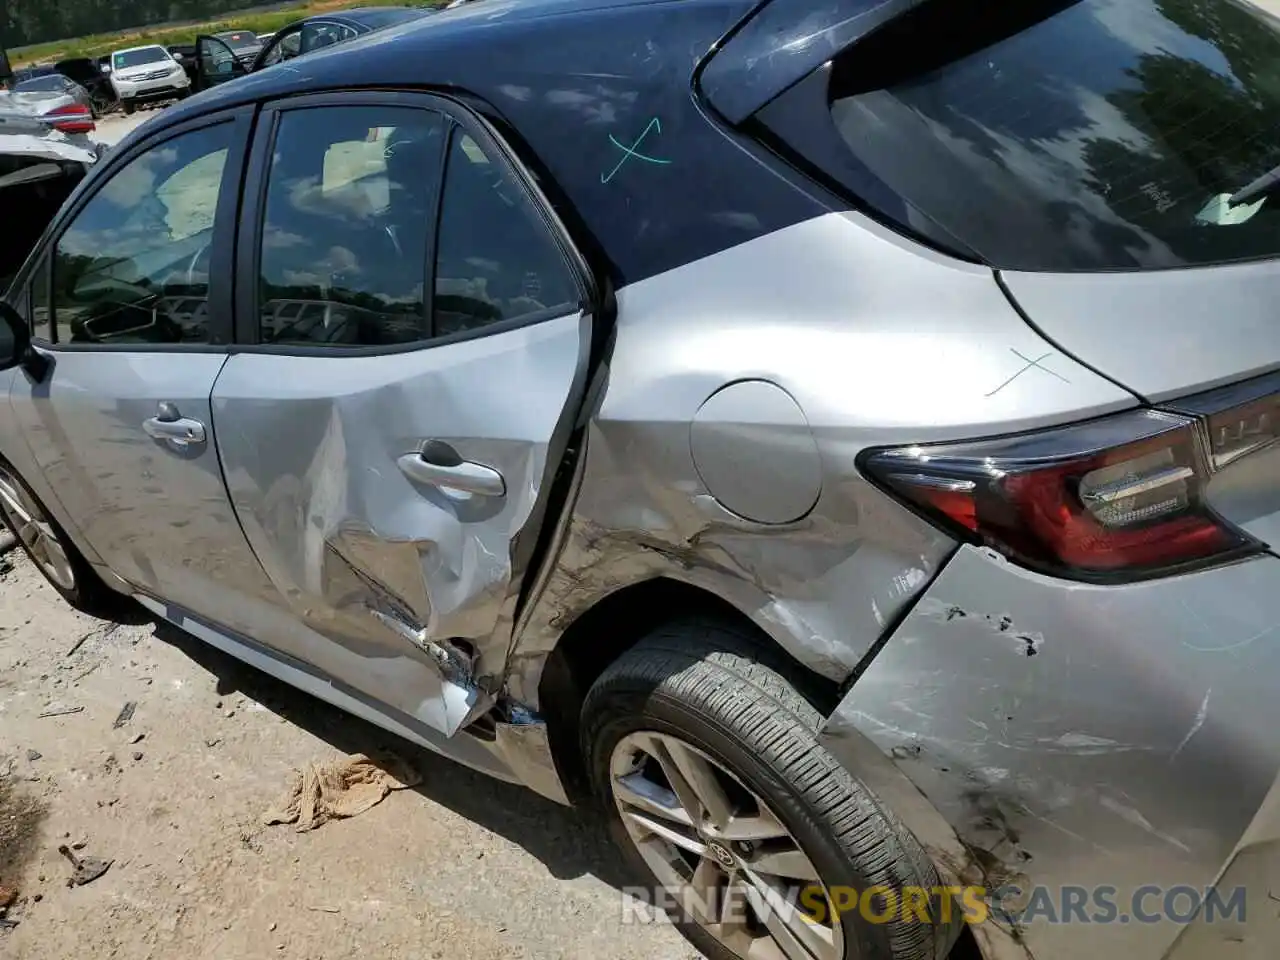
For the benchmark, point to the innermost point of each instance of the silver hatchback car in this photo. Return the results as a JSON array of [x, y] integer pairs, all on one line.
[[839, 437]]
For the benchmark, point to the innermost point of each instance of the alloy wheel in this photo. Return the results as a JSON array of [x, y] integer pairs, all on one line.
[[36, 532], [721, 851]]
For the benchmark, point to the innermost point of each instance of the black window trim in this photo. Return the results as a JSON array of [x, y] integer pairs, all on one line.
[[28, 293], [453, 113], [221, 260], [327, 22], [279, 38]]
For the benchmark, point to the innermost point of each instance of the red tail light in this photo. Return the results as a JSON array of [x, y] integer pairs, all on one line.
[[1113, 499], [73, 118]]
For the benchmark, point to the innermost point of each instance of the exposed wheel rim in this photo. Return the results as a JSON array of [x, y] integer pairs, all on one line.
[[36, 532], [719, 848]]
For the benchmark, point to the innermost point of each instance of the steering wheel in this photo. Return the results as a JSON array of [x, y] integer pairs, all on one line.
[[133, 295]]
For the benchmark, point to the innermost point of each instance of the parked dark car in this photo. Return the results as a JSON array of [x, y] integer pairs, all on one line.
[[217, 60], [185, 54], [243, 43], [89, 74]]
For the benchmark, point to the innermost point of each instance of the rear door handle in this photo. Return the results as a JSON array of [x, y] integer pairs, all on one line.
[[172, 427], [437, 464]]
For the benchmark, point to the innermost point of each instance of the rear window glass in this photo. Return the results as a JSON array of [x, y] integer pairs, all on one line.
[[240, 40], [1095, 135], [47, 82]]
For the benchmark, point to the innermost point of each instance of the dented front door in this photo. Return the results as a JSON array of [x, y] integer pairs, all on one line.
[[392, 493], [390, 569]]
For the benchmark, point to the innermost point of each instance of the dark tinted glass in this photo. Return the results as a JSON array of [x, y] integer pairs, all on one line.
[[50, 81], [1096, 135], [133, 267], [316, 36], [348, 220], [496, 258], [284, 48], [240, 41]]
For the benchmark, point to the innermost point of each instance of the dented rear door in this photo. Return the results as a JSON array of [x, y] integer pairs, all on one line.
[[391, 478]]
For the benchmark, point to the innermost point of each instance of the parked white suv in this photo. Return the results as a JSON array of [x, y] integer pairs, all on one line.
[[146, 75]]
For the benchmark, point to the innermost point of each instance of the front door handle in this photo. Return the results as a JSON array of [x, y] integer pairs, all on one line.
[[175, 429], [437, 464]]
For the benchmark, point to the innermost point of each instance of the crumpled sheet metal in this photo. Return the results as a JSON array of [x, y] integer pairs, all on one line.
[[823, 587], [345, 535], [340, 790]]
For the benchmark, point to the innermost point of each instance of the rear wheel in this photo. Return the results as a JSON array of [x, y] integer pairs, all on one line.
[[51, 550], [761, 845]]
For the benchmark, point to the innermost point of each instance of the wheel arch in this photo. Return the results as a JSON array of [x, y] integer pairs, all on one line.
[[627, 615], [17, 456]]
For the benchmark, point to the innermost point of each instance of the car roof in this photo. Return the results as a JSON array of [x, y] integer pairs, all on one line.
[[357, 13], [569, 83], [453, 48]]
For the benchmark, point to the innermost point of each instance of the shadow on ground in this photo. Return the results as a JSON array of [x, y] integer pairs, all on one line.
[[20, 819], [570, 843]]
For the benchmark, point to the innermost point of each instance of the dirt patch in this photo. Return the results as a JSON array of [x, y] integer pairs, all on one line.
[[20, 817], [457, 867]]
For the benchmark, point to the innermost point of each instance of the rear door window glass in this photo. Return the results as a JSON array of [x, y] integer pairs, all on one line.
[[1054, 136], [497, 259], [349, 216]]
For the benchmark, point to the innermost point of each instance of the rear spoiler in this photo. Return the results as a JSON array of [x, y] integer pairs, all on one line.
[[783, 41]]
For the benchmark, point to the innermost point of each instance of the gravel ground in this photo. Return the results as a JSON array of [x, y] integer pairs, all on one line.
[[113, 127], [461, 866]]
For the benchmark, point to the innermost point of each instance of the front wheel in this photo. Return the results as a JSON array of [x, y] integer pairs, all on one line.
[[52, 551], [760, 844], [128, 108]]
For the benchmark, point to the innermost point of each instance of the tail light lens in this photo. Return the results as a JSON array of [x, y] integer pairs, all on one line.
[[73, 118], [1113, 499], [1240, 419]]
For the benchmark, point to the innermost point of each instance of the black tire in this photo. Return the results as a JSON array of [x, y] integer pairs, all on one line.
[[89, 594], [722, 691], [128, 108]]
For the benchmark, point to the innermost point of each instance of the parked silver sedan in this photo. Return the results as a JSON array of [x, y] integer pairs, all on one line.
[[54, 86], [838, 439]]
